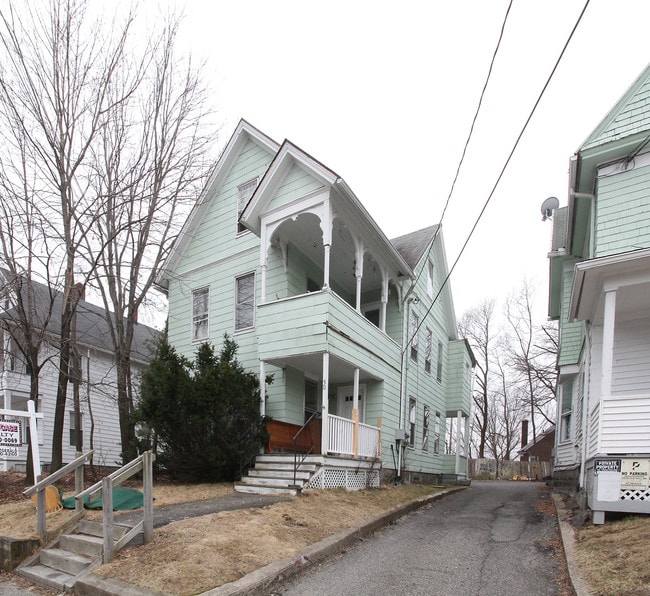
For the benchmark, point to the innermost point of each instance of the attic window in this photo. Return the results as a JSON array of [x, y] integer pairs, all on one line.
[[430, 279], [244, 193]]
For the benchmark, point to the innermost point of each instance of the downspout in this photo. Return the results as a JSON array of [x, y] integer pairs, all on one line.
[[404, 368]]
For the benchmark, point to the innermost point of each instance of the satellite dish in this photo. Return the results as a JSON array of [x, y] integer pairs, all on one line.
[[548, 206]]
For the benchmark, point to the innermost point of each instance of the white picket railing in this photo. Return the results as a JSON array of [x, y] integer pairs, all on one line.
[[341, 437], [368, 440]]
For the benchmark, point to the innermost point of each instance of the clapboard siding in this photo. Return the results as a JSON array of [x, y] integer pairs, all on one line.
[[631, 370], [102, 409], [623, 210], [625, 426]]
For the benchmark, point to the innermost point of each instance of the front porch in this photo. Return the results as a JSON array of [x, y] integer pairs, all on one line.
[[286, 473]]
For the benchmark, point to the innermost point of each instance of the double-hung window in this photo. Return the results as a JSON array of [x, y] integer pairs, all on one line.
[[413, 336], [436, 434], [245, 302], [200, 313], [567, 410], [428, 340], [439, 362], [430, 279], [412, 418], [244, 193], [425, 429]]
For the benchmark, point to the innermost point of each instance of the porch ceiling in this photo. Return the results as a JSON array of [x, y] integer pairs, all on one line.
[[311, 365]]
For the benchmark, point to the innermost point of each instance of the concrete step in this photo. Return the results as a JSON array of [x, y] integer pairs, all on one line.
[[286, 467], [287, 458], [64, 560], [264, 490], [270, 481], [46, 576], [300, 475], [95, 528], [82, 544]]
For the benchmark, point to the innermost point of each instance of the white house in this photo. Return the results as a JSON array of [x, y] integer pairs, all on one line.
[[600, 292], [99, 417]]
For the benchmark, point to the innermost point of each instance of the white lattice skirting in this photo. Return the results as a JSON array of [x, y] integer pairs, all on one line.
[[344, 478], [635, 495]]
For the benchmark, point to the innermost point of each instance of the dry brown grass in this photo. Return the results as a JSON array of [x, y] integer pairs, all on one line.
[[220, 548], [613, 558], [194, 555]]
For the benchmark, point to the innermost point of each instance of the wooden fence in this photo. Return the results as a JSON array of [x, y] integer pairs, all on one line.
[[490, 469]]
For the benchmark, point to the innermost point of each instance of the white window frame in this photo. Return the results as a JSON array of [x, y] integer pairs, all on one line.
[[436, 434], [566, 412], [428, 343], [439, 362], [413, 410], [198, 318], [72, 429], [239, 303], [425, 428], [244, 193], [413, 336], [430, 272]]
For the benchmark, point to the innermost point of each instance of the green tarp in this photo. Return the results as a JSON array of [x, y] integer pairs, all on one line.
[[124, 499]]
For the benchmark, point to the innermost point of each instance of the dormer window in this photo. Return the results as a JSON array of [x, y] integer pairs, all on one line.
[[244, 193]]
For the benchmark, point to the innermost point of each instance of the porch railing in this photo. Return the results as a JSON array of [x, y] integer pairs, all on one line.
[[368, 440], [340, 434], [341, 437]]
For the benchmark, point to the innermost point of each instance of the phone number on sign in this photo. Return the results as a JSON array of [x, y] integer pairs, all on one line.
[[8, 452]]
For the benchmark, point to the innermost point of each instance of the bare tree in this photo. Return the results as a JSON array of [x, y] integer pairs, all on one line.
[[57, 86], [477, 326], [531, 356], [151, 161]]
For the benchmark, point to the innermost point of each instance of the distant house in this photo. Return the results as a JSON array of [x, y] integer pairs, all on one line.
[[358, 331], [600, 293], [99, 416], [541, 448]]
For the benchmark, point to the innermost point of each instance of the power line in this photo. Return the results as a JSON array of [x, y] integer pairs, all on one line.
[[503, 169]]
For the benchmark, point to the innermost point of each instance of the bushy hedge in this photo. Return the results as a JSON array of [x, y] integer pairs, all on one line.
[[202, 417]]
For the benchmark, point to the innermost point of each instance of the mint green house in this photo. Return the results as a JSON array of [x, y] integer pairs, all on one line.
[[600, 293], [370, 378]]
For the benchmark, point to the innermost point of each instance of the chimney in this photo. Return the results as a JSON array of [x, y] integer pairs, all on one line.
[[524, 433]]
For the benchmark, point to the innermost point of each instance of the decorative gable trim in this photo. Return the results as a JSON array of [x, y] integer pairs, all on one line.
[[288, 156]]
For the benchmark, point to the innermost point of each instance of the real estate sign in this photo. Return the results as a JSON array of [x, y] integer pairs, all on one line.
[[9, 438]]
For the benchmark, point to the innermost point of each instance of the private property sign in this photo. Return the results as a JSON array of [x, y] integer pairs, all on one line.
[[9, 438]]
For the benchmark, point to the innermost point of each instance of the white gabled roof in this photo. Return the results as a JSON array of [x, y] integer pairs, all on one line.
[[242, 134]]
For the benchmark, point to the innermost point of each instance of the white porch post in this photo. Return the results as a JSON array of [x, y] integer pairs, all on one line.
[[459, 419], [609, 320], [262, 388], [466, 438], [263, 284], [326, 267], [325, 407], [384, 301], [355, 414]]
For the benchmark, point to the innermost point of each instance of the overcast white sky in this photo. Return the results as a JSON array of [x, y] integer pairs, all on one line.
[[384, 93]]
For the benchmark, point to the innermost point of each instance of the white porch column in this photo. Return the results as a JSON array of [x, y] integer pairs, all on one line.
[[325, 407], [263, 284], [326, 267], [609, 321], [262, 388], [384, 302], [466, 438], [459, 419], [355, 414]]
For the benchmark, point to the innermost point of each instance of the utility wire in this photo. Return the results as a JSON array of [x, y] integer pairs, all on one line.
[[503, 169]]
